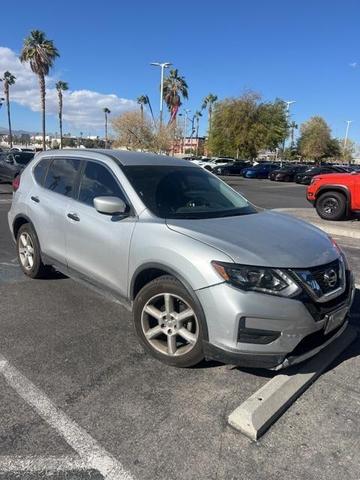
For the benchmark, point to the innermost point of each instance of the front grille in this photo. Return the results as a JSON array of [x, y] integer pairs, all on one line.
[[319, 274], [324, 280]]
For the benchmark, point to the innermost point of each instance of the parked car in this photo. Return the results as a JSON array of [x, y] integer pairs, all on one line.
[[215, 162], [261, 170], [287, 173], [234, 168], [11, 164], [335, 196], [205, 273], [306, 176]]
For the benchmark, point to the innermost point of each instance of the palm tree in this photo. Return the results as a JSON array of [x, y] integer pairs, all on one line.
[[208, 103], [41, 54], [142, 100], [61, 87], [106, 111], [175, 87], [197, 116], [8, 79], [293, 126]]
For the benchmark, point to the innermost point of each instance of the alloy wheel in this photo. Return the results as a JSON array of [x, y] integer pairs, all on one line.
[[169, 324], [26, 251]]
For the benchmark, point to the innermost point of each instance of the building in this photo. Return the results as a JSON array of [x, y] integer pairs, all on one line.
[[193, 145]]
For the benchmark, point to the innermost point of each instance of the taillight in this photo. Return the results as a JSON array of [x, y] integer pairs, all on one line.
[[16, 183]]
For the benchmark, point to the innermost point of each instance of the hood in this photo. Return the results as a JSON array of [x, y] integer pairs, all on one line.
[[338, 177], [265, 239]]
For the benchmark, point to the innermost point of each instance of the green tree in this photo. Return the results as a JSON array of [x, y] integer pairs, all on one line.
[[315, 141], [175, 87], [8, 79], [40, 53], [61, 87], [244, 125], [347, 151], [208, 103], [142, 100], [106, 113]]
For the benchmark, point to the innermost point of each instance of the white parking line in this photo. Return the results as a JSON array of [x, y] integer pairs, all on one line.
[[34, 464], [90, 452]]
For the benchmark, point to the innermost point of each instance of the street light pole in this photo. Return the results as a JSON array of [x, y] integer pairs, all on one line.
[[288, 103], [162, 66], [347, 132]]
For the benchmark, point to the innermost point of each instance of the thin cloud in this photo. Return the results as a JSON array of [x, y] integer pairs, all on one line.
[[82, 108], [353, 64]]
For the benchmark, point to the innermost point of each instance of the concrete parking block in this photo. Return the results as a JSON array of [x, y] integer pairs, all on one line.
[[254, 416]]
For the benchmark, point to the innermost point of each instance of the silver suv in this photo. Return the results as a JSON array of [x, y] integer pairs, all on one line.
[[205, 273]]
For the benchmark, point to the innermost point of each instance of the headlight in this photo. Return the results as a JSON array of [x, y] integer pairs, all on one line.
[[272, 281]]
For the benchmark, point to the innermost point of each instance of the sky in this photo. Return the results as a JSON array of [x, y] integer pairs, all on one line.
[[307, 51]]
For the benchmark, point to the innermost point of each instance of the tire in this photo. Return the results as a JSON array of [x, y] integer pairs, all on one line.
[[28, 252], [167, 344], [208, 168], [331, 206]]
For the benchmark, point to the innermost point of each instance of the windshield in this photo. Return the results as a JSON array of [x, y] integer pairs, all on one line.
[[185, 192]]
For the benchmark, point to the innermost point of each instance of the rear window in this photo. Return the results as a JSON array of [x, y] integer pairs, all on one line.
[[62, 175]]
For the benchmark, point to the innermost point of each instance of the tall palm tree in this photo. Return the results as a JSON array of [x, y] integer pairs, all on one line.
[[293, 126], [61, 87], [8, 79], [175, 87], [142, 100], [197, 116], [106, 112], [41, 54], [208, 103]]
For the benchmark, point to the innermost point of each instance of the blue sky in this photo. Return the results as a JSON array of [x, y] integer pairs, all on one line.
[[294, 50]]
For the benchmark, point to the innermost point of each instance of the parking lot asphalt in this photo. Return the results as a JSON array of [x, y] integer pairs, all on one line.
[[113, 407]]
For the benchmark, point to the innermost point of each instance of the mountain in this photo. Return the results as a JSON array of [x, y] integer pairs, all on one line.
[[15, 132]]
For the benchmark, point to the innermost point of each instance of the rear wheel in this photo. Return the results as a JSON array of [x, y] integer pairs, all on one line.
[[169, 322], [331, 206], [28, 251]]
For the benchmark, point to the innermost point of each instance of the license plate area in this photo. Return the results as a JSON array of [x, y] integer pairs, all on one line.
[[335, 319]]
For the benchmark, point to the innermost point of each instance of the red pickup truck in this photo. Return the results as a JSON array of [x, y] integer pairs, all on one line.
[[336, 195]]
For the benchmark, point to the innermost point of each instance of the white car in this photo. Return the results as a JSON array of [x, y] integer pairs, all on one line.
[[215, 162]]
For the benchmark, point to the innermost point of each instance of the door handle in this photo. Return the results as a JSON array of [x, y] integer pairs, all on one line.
[[74, 217], [35, 199]]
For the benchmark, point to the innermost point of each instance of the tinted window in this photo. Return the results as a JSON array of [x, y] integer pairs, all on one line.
[[185, 192], [98, 181], [23, 158], [61, 176], [41, 169]]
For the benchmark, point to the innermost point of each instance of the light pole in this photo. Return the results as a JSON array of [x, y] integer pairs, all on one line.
[[162, 67], [187, 111], [347, 132], [288, 103]]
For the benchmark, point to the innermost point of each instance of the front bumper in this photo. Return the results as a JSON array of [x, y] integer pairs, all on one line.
[[300, 323]]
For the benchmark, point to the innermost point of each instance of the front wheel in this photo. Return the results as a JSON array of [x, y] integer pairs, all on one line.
[[331, 206], [169, 322]]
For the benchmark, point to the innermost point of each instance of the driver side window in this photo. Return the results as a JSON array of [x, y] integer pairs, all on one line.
[[98, 181]]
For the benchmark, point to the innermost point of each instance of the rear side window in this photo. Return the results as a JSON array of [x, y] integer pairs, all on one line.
[[40, 170], [98, 181], [62, 175]]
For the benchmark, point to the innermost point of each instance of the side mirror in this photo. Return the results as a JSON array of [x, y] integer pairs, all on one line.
[[110, 205]]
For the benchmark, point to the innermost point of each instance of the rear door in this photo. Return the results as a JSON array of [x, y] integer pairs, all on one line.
[[55, 183], [98, 245]]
